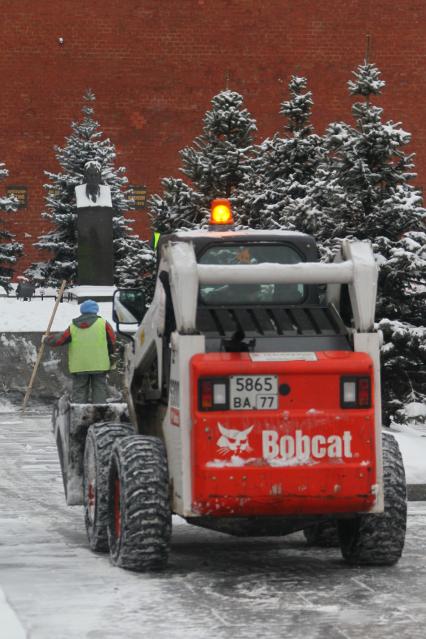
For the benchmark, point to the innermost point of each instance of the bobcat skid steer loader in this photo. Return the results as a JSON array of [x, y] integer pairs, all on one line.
[[254, 393]]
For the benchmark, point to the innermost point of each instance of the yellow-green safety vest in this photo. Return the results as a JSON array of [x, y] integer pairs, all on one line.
[[88, 350]]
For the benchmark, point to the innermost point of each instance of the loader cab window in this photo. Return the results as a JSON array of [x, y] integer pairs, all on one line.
[[129, 306], [245, 294]]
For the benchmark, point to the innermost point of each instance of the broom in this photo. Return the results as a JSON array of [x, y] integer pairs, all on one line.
[[41, 349]]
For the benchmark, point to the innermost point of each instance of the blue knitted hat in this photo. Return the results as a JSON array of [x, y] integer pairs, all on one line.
[[89, 306]]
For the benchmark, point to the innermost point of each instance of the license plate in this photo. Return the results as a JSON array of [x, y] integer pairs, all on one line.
[[254, 392]]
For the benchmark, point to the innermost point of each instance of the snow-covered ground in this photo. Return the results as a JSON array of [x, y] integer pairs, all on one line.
[[18, 316], [216, 586], [412, 442], [11, 627]]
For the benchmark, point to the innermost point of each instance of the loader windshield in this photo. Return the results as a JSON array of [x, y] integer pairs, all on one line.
[[281, 294]]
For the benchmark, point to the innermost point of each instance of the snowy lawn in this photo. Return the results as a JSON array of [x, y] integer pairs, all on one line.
[[17, 316]]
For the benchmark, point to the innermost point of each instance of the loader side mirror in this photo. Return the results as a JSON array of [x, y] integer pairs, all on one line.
[[128, 306]]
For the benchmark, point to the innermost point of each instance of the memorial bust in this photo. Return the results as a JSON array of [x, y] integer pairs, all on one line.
[[92, 192]]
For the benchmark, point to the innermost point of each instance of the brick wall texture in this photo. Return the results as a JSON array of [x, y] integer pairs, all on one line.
[[154, 66]]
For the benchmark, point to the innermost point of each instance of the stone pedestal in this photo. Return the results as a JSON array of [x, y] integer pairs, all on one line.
[[91, 292], [95, 239]]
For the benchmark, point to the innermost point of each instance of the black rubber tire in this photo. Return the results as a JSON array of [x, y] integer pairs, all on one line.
[[323, 535], [139, 522], [378, 539], [97, 453]]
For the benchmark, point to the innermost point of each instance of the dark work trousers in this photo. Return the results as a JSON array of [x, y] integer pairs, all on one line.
[[83, 383]]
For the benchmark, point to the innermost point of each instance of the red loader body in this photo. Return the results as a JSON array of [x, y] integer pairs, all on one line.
[[309, 455]]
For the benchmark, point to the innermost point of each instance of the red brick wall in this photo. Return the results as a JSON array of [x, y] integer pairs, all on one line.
[[155, 64]]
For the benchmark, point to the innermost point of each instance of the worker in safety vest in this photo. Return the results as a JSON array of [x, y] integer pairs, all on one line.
[[91, 341]]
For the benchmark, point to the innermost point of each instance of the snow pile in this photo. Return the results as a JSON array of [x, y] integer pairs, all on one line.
[[412, 444], [415, 414], [20, 348], [6, 406]]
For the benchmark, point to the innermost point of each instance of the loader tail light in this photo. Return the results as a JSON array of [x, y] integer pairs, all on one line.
[[213, 394], [364, 399], [355, 392], [221, 212], [206, 395]]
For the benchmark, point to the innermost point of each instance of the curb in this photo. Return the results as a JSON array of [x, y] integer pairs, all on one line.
[[416, 492]]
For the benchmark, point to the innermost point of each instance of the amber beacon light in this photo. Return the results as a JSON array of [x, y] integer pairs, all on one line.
[[221, 212]]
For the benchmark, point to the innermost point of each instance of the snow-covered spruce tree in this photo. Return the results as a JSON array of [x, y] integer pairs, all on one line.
[[180, 207], [135, 264], [214, 165], [286, 188], [85, 143], [369, 163], [220, 156], [10, 250]]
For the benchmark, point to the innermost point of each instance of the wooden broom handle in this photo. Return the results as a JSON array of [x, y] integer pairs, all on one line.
[[41, 349]]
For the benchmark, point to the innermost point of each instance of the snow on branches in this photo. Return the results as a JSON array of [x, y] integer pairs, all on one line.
[[85, 146], [288, 185], [215, 165], [351, 182], [10, 250], [219, 159], [370, 165], [367, 80]]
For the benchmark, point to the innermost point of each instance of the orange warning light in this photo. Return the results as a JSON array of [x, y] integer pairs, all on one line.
[[221, 212]]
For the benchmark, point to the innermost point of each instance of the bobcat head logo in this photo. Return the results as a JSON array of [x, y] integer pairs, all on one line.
[[233, 441]]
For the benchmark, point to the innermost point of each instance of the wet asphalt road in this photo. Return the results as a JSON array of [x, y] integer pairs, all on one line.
[[216, 586]]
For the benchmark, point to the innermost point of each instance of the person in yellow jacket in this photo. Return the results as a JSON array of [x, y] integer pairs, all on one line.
[[91, 341]]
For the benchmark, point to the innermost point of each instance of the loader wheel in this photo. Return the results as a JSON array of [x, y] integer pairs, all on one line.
[[378, 539], [97, 453], [139, 522], [323, 535]]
